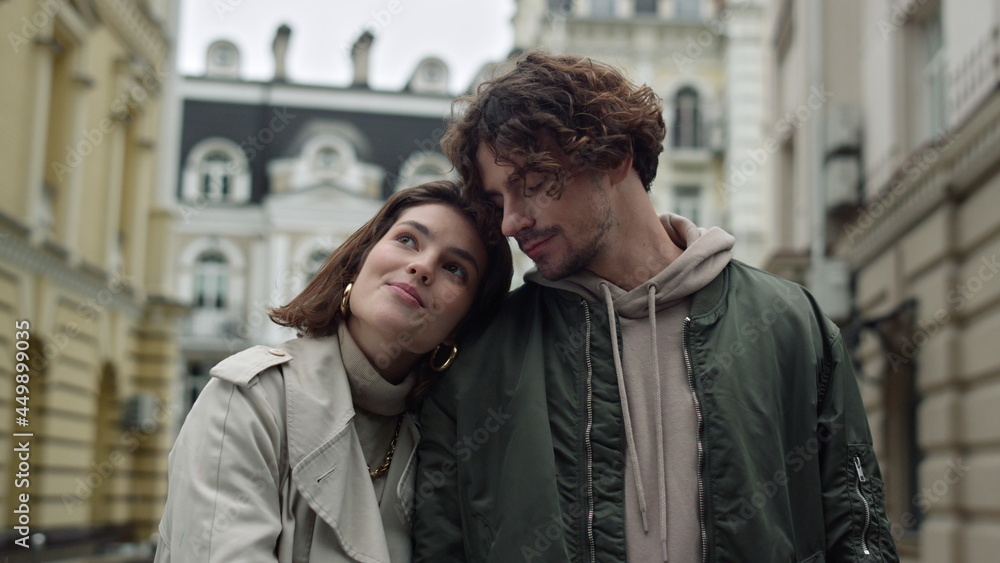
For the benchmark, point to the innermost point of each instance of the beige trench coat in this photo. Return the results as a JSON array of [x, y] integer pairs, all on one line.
[[268, 467]]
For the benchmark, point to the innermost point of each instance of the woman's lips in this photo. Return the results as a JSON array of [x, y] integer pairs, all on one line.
[[407, 292]]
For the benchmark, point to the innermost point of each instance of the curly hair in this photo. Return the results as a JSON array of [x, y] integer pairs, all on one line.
[[595, 115]]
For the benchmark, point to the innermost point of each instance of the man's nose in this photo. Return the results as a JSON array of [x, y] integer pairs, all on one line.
[[515, 219]]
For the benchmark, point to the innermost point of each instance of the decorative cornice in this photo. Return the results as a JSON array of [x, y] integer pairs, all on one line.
[[102, 288], [131, 22], [948, 166]]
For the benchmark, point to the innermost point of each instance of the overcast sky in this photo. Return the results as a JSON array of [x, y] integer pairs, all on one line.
[[465, 34]]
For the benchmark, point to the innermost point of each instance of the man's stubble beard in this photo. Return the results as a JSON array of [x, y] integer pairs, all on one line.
[[578, 259]]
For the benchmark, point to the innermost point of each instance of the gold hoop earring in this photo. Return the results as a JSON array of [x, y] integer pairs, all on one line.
[[444, 366], [345, 301]]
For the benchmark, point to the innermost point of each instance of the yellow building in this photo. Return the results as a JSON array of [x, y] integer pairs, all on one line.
[[81, 247]]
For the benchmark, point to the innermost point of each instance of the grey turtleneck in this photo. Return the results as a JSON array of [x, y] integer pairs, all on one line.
[[378, 404]]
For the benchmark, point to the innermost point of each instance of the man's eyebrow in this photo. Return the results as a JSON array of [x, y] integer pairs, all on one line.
[[461, 253]]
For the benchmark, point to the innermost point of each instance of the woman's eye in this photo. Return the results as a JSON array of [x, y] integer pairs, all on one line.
[[457, 270], [406, 239]]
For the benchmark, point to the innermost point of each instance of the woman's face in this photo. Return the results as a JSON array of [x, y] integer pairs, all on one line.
[[416, 284]]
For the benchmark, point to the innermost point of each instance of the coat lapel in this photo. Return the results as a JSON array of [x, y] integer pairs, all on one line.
[[325, 455]]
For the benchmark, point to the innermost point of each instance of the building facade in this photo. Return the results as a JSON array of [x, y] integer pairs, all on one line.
[[886, 193], [80, 296], [705, 59], [269, 177]]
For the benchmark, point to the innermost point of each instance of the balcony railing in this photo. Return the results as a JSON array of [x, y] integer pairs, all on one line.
[[973, 77]]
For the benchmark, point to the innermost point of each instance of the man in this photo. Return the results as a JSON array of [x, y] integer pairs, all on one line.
[[643, 396]]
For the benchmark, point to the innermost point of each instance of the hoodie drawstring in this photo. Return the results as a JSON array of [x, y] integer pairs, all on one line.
[[620, 373], [661, 469], [630, 442]]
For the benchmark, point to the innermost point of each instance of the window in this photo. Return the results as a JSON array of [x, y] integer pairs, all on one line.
[[216, 171], [216, 181], [327, 158], [224, 55], [432, 71], [687, 202], [687, 119], [645, 6], [926, 73], [603, 8], [422, 167], [430, 77], [222, 60], [560, 6], [902, 451], [198, 377], [687, 9], [935, 72], [211, 280]]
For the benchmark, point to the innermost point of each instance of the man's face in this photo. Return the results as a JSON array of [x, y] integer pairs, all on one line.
[[562, 234]]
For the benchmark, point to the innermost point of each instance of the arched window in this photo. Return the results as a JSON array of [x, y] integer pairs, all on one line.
[[423, 166], [327, 158], [222, 60], [216, 171], [430, 77], [211, 281], [687, 119]]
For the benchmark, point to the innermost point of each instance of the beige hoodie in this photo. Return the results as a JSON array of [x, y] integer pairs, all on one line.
[[662, 516]]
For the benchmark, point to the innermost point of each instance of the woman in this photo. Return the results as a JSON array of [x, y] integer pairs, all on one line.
[[305, 451]]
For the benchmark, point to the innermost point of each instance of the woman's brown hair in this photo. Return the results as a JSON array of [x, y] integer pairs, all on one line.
[[316, 312]]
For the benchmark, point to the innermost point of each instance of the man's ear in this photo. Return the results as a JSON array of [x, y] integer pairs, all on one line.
[[620, 172]]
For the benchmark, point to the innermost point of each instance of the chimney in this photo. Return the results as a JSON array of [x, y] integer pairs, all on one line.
[[359, 56], [280, 48]]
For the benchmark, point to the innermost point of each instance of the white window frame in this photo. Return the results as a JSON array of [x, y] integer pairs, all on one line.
[[192, 186], [688, 135], [688, 202]]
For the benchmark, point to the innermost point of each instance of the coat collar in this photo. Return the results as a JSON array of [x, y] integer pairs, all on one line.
[[317, 395]]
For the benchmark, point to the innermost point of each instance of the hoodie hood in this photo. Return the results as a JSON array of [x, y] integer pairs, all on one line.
[[706, 254]]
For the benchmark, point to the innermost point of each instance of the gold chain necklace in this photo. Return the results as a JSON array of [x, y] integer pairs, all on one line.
[[381, 470]]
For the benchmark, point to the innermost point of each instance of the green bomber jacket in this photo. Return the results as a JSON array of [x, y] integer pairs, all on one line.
[[523, 452]]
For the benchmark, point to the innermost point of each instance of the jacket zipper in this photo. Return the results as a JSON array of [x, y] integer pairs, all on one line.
[[590, 452], [868, 515], [701, 448]]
